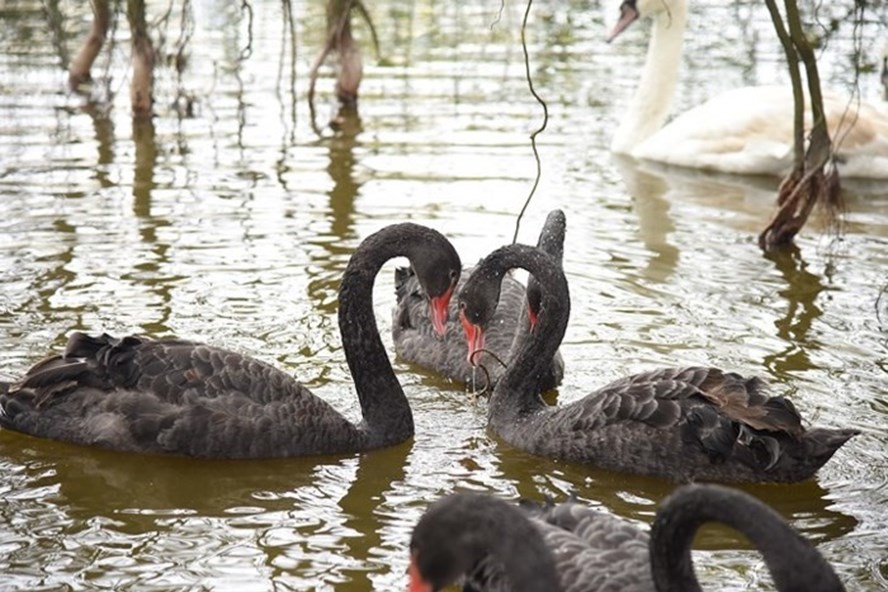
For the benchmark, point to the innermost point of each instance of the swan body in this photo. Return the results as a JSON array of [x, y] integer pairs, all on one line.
[[182, 397], [416, 340], [494, 544], [747, 130], [682, 424]]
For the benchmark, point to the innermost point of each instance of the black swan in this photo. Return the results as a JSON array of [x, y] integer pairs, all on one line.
[[683, 424], [416, 342], [181, 397], [497, 546]]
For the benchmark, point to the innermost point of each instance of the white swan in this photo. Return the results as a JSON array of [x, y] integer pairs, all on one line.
[[747, 130]]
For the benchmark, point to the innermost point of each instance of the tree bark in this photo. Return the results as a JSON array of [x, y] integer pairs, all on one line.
[[79, 69], [142, 84], [814, 177]]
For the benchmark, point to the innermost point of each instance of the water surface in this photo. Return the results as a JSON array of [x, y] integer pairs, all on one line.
[[233, 226]]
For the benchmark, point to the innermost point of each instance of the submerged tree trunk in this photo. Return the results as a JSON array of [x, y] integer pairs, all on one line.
[[814, 177], [349, 65], [79, 69], [142, 84]]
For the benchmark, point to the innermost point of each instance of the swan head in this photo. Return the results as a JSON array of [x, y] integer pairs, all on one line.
[[632, 10], [444, 545], [438, 268], [477, 303]]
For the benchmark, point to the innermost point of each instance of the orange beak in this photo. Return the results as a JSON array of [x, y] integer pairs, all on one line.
[[474, 337], [438, 309], [417, 584]]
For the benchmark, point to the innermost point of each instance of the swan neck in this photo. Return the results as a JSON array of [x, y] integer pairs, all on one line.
[[793, 562], [387, 418], [517, 392], [650, 105]]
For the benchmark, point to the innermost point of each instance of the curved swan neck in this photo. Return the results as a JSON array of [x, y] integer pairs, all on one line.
[[461, 530], [650, 105], [518, 389], [386, 412], [794, 563]]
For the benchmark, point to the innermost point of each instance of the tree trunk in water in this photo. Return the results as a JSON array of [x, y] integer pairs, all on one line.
[[349, 66], [814, 177], [79, 69], [141, 86]]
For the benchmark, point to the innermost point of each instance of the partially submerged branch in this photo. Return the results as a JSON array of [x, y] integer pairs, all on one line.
[[80, 66], [349, 66], [814, 177]]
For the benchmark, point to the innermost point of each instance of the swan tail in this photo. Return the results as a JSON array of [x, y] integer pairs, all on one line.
[[821, 443], [83, 365]]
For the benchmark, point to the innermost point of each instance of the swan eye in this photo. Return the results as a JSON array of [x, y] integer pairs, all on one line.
[[453, 275], [462, 305]]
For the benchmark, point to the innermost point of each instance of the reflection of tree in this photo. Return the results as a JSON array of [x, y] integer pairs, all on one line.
[[336, 244], [801, 292], [143, 184], [377, 473]]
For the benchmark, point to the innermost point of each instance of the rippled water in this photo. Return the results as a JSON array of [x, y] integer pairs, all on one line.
[[234, 225]]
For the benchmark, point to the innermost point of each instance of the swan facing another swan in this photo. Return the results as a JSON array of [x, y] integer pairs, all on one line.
[[747, 130], [683, 424], [181, 397], [417, 341], [569, 547]]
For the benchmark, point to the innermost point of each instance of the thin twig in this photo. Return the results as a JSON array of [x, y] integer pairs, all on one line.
[[487, 381], [247, 51], [499, 15], [536, 154]]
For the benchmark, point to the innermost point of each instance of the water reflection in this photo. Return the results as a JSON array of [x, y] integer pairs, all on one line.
[[336, 242], [801, 292], [808, 506], [648, 192], [105, 140], [234, 225], [366, 507]]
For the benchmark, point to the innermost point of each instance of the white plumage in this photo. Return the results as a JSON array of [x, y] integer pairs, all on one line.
[[747, 130]]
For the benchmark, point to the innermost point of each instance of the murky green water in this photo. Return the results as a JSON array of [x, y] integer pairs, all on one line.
[[233, 227]]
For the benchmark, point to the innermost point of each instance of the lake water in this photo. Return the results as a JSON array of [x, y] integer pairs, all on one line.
[[233, 226]]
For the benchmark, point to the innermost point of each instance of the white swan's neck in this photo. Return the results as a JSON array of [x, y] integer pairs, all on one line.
[[649, 107]]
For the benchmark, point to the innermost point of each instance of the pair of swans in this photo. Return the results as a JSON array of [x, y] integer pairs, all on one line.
[[417, 342], [181, 397], [746, 130], [497, 546]]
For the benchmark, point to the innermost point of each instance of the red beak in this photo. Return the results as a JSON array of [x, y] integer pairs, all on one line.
[[474, 337], [531, 318], [438, 309], [628, 15], [417, 584]]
